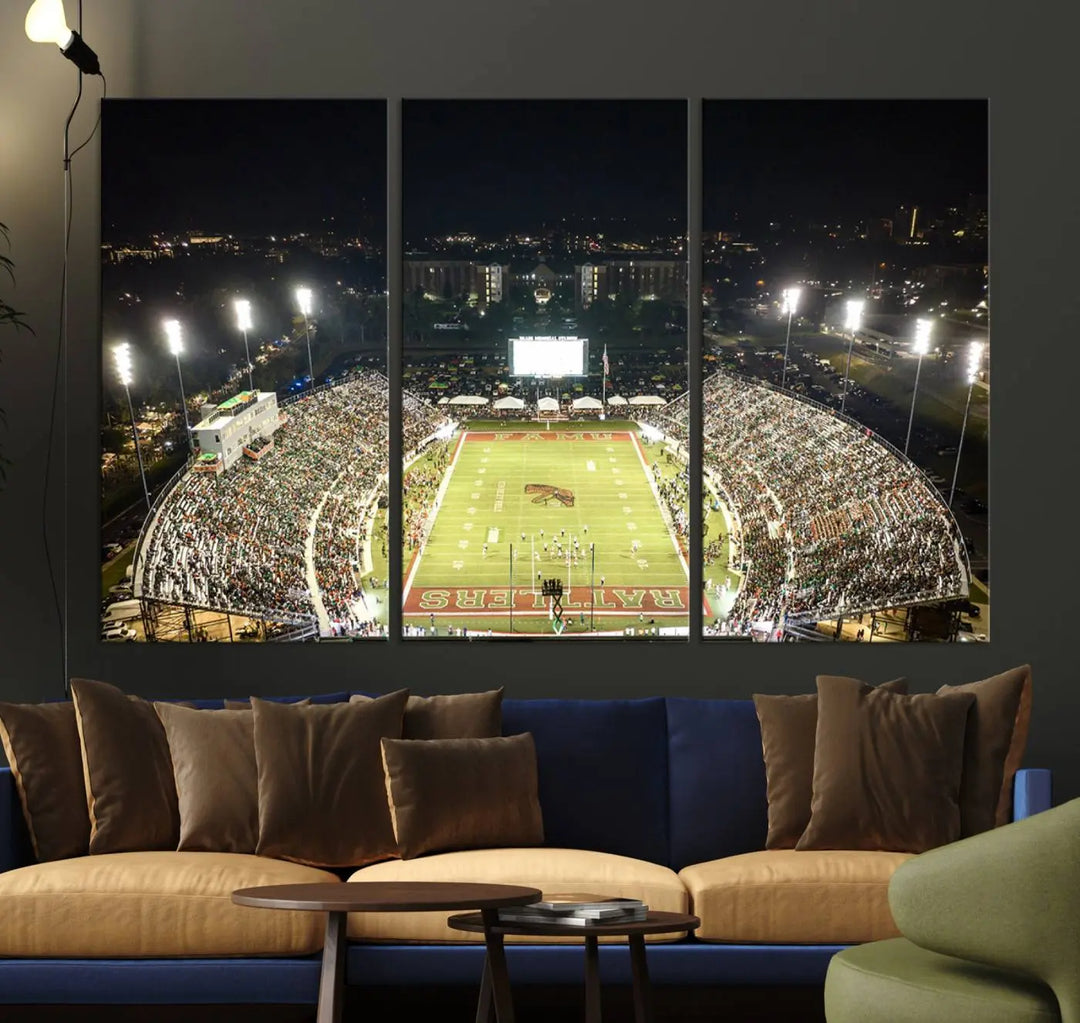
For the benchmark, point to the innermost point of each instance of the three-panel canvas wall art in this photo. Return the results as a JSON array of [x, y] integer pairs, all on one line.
[[835, 433]]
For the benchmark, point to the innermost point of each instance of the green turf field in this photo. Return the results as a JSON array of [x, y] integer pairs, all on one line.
[[509, 491]]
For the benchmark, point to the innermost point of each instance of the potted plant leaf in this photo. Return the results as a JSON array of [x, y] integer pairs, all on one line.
[[9, 317]]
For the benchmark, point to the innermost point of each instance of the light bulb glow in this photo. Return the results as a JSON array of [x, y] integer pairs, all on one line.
[[303, 299], [853, 319], [243, 314], [790, 301], [122, 361], [921, 344], [175, 337], [46, 23]]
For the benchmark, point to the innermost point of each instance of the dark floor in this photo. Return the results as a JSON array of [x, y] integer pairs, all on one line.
[[458, 1005]]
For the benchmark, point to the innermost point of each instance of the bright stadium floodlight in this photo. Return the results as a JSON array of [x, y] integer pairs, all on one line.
[[920, 346], [852, 324], [303, 300], [974, 364], [243, 324], [174, 334], [789, 304], [122, 361]]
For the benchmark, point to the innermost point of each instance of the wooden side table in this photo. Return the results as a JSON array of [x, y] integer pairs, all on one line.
[[495, 976], [339, 899]]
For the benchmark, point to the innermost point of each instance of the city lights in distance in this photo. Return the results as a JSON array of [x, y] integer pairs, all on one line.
[[243, 314], [175, 336], [921, 344], [122, 361]]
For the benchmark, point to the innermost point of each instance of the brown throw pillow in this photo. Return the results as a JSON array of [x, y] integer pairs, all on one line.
[[460, 716], [41, 742], [462, 793], [322, 797], [788, 731], [217, 781], [997, 731], [127, 770], [246, 704], [886, 768]]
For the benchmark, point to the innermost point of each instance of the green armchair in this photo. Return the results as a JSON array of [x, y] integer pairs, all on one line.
[[991, 929]]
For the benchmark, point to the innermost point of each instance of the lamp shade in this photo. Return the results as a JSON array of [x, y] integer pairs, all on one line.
[[46, 23]]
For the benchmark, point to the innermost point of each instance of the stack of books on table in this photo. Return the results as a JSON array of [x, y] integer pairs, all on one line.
[[576, 909]]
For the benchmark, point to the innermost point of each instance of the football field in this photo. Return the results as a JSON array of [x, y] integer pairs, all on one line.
[[520, 506]]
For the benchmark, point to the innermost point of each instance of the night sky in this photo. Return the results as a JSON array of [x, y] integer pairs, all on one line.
[[242, 167], [848, 159], [492, 166]]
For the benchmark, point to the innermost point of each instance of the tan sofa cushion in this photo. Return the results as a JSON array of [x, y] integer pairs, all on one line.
[[153, 904], [550, 870], [781, 895]]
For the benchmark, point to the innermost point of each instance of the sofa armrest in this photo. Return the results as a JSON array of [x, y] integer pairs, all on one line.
[[1008, 898], [15, 848], [1031, 792]]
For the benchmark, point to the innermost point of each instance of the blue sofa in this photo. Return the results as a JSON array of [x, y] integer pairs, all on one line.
[[669, 781]]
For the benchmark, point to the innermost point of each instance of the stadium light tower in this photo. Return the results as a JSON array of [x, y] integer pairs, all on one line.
[[122, 360], [852, 323], [303, 300], [243, 324], [790, 304], [973, 364], [175, 336], [920, 346]]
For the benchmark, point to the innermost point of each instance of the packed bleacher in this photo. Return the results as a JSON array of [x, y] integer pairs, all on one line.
[[833, 520], [237, 541]]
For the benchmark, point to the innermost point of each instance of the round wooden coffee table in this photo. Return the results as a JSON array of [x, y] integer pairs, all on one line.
[[495, 976], [337, 900]]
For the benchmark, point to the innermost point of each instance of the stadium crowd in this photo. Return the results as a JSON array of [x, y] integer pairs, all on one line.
[[833, 520], [237, 541]]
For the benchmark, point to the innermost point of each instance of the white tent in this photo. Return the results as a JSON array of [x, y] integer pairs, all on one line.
[[548, 405], [616, 399], [508, 402], [587, 403], [444, 401], [647, 399], [468, 399]]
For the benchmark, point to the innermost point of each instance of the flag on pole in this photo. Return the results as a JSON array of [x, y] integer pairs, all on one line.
[[607, 368]]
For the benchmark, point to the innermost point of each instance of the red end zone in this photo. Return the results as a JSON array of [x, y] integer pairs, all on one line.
[[495, 600], [559, 435]]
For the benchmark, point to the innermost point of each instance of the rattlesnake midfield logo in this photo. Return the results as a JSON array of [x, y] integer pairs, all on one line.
[[545, 492]]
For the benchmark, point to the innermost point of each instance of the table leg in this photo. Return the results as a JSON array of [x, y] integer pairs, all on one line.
[[332, 978], [592, 980], [496, 968], [643, 1010], [485, 1006]]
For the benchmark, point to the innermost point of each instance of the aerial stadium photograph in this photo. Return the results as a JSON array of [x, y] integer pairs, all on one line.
[[846, 360], [244, 412], [544, 492]]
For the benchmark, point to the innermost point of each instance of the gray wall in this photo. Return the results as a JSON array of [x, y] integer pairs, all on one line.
[[564, 48]]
